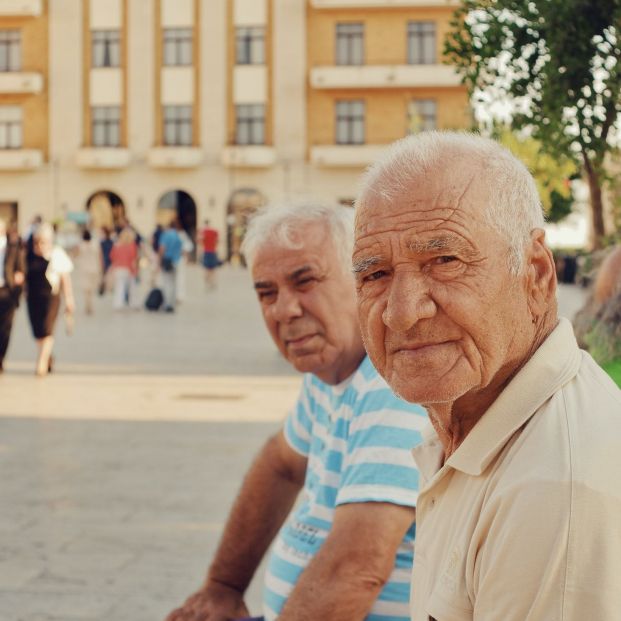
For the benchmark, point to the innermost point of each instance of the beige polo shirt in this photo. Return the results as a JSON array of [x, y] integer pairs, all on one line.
[[523, 522]]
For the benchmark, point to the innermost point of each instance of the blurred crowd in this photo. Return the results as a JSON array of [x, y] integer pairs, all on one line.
[[106, 261]]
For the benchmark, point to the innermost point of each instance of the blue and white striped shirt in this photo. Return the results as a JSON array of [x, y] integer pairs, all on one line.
[[357, 436]]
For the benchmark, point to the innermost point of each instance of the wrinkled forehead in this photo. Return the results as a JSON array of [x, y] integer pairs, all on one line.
[[449, 185], [297, 245]]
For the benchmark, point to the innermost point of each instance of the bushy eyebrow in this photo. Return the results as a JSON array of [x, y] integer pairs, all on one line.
[[364, 264], [299, 272], [443, 243], [266, 284], [263, 284]]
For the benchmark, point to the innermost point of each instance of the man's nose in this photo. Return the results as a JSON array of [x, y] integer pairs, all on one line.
[[286, 307], [409, 301]]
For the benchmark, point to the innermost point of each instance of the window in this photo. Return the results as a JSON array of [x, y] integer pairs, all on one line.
[[106, 126], [10, 50], [178, 125], [421, 43], [350, 122], [349, 44], [106, 48], [422, 115], [250, 124], [177, 46], [250, 46], [10, 127]]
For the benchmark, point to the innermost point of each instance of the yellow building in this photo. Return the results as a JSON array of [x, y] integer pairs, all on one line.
[[375, 75], [145, 109], [24, 110]]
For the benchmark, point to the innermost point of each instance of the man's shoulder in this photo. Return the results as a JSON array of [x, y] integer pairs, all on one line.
[[571, 441]]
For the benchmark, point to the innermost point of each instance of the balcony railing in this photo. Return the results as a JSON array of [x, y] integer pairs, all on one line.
[[20, 8], [345, 156], [248, 156], [19, 82], [103, 157], [20, 159], [175, 157], [384, 76]]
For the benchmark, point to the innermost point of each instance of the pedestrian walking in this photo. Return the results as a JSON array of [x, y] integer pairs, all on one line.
[[28, 235], [124, 262], [48, 279], [90, 264], [171, 248], [106, 244], [155, 238], [209, 238], [187, 246], [12, 268]]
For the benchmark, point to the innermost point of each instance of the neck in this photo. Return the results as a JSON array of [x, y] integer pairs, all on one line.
[[347, 367]]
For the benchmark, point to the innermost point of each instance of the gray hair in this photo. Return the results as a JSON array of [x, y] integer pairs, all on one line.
[[43, 230], [280, 223], [514, 209]]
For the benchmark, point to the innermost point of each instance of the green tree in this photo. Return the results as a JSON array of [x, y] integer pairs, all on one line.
[[552, 174], [556, 65]]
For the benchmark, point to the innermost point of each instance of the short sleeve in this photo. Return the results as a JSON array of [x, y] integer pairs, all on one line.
[[299, 423], [62, 262], [378, 465]]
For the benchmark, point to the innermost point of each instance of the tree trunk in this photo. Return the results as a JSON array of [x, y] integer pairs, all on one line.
[[597, 208]]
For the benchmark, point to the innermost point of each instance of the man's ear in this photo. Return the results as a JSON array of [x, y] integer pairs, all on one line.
[[540, 274]]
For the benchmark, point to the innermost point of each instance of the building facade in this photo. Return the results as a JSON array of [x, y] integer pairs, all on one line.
[[145, 109]]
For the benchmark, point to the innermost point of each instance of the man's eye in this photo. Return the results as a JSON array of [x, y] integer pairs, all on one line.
[[305, 282], [444, 259], [266, 296], [374, 276]]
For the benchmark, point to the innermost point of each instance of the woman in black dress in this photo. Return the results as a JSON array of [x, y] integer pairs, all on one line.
[[47, 279]]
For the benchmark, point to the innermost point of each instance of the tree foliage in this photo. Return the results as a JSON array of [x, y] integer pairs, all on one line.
[[553, 174], [557, 66]]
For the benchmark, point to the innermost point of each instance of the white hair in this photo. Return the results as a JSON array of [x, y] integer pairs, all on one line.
[[281, 223], [43, 231], [514, 208]]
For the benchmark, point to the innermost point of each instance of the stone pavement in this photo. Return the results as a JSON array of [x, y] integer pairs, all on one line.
[[118, 470], [219, 332]]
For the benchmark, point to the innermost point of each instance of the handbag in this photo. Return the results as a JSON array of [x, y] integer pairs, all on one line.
[[167, 264]]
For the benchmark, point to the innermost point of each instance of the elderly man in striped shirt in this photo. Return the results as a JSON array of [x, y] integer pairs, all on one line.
[[345, 552]]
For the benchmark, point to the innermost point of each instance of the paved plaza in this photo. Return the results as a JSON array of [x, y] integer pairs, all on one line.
[[118, 470]]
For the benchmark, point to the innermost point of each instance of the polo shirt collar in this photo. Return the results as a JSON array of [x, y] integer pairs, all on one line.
[[555, 363], [428, 454]]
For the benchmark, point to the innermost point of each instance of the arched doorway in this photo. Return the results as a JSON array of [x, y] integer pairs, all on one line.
[[178, 204], [106, 209], [242, 204]]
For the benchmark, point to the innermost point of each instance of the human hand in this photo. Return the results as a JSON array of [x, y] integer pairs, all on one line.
[[69, 322], [69, 306], [213, 602], [18, 278]]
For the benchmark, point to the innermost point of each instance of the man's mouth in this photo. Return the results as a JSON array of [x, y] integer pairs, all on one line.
[[415, 348], [298, 340]]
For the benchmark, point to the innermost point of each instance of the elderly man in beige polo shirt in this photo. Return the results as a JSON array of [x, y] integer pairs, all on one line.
[[519, 517]]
